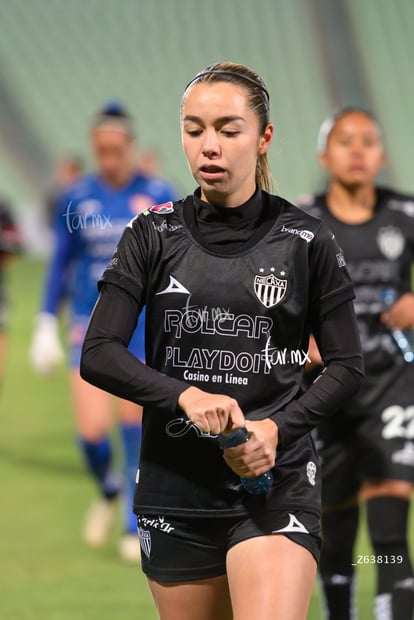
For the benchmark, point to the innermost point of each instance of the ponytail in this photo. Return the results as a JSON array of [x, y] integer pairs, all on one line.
[[264, 177]]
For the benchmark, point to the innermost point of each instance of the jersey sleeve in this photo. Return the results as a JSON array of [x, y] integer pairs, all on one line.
[[334, 324], [338, 340], [64, 249], [107, 363], [330, 282], [128, 266]]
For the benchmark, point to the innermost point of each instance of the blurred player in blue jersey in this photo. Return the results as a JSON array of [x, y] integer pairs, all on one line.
[[91, 217], [67, 170]]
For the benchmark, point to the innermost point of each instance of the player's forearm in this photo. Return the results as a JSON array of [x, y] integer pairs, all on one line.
[[52, 297], [334, 386], [338, 341], [55, 284], [109, 365]]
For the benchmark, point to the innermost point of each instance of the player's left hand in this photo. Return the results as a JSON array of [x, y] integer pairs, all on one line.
[[401, 314], [257, 455]]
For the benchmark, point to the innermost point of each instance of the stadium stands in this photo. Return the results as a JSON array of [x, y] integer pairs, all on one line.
[[60, 60]]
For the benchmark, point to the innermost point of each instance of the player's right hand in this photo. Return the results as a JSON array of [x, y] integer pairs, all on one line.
[[401, 314], [257, 455], [211, 413], [46, 351]]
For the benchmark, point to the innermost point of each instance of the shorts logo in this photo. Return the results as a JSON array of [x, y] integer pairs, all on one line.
[[294, 525], [145, 541], [157, 523], [311, 472], [270, 290], [391, 242], [405, 456], [162, 209]]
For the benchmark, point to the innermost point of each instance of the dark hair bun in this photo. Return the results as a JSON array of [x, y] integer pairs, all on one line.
[[114, 108]]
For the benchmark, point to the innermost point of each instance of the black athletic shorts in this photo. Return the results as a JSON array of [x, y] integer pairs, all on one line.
[[371, 438], [178, 549]]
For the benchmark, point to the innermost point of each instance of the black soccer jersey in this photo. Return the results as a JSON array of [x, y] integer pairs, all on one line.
[[235, 324], [379, 254]]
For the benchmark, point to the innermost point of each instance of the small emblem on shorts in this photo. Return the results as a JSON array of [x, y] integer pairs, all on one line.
[[145, 541], [311, 472], [405, 456], [269, 289], [294, 525], [158, 523]]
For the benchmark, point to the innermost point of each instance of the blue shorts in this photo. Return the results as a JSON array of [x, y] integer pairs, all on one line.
[[77, 331]]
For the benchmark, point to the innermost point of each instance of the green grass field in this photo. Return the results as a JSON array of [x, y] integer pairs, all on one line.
[[46, 573]]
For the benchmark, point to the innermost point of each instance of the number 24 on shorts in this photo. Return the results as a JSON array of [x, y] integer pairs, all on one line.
[[398, 422]]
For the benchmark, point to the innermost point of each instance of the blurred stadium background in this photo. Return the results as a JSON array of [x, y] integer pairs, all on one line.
[[59, 61]]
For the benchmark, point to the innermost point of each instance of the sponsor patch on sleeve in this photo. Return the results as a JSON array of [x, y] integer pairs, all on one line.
[[162, 209], [341, 260]]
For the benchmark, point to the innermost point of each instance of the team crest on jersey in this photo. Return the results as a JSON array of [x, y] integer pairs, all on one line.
[[269, 289], [311, 472], [163, 209], [145, 541], [391, 242]]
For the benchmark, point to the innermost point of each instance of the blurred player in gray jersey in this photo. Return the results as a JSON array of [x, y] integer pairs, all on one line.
[[367, 447]]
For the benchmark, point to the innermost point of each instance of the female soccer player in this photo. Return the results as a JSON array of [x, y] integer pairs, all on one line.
[[233, 279], [367, 448], [92, 215]]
